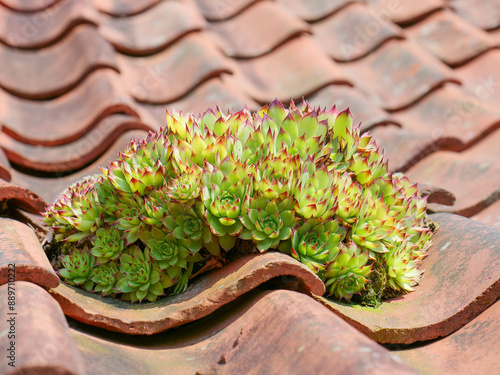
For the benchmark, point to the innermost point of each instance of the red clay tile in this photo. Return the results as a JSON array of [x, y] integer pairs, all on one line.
[[490, 215], [28, 5], [4, 167], [21, 197], [482, 13], [174, 72], [42, 342], [56, 69], [471, 175], [50, 188], [74, 155], [217, 10], [397, 74], [153, 30], [200, 299], [449, 38], [436, 195], [241, 39], [481, 77], [404, 12], [471, 350], [35, 30], [353, 32], [313, 10], [214, 92], [362, 109], [67, 118], [461, 280], [122, 8], [20, 246], [262, 334], [297, 68]]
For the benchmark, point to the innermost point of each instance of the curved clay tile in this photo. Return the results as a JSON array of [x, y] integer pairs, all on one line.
[[473, 349], [200, 299], [461, 279], [35, 30], [54, 70], [472, 175], [74, 155], [313, 10], [217, 10], [28, 5], [240, 38], [482, 13], [210, 94], [275, 332], [47, 347], [174, 72], [353, 32], [490, 215], [120, 8], [450, 38], [4, 166], [68, 117], [50, 188], [19, 245], [22, 197], [397, 74], [362, 109], [404, 12], [297, 68], [153, 30]]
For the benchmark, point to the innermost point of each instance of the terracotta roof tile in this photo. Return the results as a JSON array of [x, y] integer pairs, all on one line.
[[460, 172], [295, 69], [241, 39], [200, 299], [404, 12], [449, 38], [482, 13], [74, 155], [66, 118], [261, 334], [43, 344], [471, 350], [490, 215], [4, 167], [459, 283], [56, 69], [21, 197], [31, 30], [172, 73], [121, 8], [397, 74], [353, 32], [217, 10], [148, 32], [313, 10], [21, 247], [28, 5]]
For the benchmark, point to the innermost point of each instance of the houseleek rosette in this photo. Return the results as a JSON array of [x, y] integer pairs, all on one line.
[[105, 278], [108, 244], [77, 268]]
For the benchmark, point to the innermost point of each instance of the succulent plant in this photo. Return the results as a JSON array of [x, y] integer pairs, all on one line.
[[299, 180]]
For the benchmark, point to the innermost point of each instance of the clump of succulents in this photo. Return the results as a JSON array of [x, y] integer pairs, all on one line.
[[299, 180]]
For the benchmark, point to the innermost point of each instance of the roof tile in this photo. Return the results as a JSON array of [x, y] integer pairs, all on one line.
[[490, 215], [122, 8], [28, 5], [295, 69], [68, 117], [218, 10], [21, 197], [35, 30], [482, 13], [56, 69], [148, 32], [43, 344], [397, 74], [200, 299], [241, 39], [4, 167], [172, 73], [353, 32], [20, 246], [313, 10], [449, 38], [404, 12], [461, 280]]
